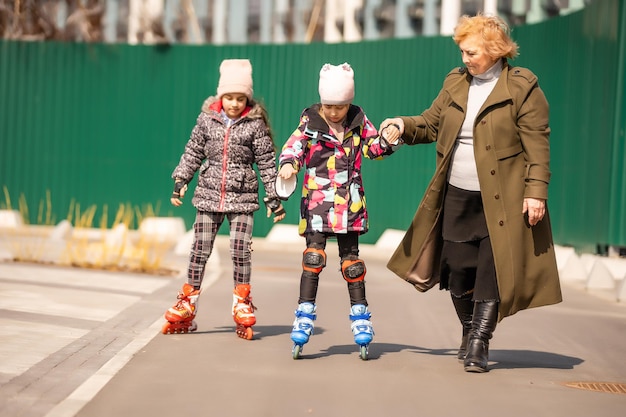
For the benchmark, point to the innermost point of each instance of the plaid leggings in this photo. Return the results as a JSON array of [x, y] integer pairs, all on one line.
[[205, 229]]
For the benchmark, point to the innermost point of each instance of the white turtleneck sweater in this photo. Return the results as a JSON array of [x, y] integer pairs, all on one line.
[[463, 173]]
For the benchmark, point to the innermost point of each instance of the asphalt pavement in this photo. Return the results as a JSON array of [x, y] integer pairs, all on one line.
[[87, 343]]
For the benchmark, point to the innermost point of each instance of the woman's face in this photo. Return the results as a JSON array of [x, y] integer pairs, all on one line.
[[335, 113], [234, 104], [474, 55]]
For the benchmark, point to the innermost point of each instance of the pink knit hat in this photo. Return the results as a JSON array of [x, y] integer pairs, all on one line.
[[336, 84], [235, 77]]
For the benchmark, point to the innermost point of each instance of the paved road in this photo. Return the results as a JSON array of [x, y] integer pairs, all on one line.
[[87, 343]]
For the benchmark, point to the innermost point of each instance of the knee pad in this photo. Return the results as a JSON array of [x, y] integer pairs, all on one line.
[[313, 260], [353, 270]]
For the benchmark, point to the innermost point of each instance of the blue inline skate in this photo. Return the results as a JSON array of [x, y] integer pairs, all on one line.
[[302, 327], [362, 328]]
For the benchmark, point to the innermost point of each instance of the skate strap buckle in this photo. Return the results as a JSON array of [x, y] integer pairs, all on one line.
[[365, 316], [307, 315]]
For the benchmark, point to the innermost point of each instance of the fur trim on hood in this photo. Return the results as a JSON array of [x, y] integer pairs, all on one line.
[[213, 105]]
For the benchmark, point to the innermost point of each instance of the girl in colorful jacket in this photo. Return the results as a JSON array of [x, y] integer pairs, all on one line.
[[330, 142], [231, 134]]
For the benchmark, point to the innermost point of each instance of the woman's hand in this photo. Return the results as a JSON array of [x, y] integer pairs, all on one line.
[[392, 129], [536, 209]]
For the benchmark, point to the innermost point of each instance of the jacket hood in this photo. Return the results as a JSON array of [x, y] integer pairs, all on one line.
[[254, 110], [354, 117]]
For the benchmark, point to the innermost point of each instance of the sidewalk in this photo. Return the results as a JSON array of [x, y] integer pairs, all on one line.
[[87, 343]]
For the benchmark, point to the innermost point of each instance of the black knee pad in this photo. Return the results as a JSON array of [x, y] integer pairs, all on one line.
[[353, 270], [313, 260]]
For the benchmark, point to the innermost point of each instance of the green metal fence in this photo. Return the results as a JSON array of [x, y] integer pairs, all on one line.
[[104, 125]]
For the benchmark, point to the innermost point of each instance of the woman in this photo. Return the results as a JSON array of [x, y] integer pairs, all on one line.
[[482, 228]]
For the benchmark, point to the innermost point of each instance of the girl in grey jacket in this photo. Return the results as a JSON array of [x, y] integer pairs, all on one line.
[[231, 135]]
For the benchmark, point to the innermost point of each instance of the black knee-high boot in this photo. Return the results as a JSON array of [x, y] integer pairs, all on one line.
[[484, 322], [464, 307]]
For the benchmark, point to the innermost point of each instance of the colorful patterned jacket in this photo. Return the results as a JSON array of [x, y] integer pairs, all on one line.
[[333, 197]]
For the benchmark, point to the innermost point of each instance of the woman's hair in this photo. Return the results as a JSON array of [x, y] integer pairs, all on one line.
[[494, 32]]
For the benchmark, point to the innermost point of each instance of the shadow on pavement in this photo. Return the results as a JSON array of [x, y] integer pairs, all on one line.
[[260, 332], [376, 350], [498, 359], [531, 359]]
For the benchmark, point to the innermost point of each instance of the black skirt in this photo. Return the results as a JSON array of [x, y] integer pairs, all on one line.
[[467, 264], [463, 216]]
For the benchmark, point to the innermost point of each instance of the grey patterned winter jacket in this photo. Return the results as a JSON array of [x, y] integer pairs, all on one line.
[[225, 156]]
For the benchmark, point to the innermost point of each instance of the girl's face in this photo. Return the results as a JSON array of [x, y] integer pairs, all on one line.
[[335, 112], [474, 55], [234, 104]]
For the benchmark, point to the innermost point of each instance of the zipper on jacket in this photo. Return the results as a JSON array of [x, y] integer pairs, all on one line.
[[224, 167]]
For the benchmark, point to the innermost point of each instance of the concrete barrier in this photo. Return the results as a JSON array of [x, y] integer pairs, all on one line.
[[571, 268], [594, 272], [162, 229], [10, 219], [61, 231], [600, 277], [284, 233], [389, 240]]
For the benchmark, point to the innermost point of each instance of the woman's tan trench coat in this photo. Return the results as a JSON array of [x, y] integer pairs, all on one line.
[[511, 147]]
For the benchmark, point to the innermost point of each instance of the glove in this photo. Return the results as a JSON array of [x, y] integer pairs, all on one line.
[[383, 142], [274, 206], [180, 187]]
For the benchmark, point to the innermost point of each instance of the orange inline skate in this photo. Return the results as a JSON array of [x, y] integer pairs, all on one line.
[[243, 311], [180, 317]]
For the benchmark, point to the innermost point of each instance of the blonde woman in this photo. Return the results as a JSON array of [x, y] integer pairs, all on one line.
[[482, 228]]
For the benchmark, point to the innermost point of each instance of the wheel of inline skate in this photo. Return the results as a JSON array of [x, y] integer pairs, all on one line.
[[166, 328], [244, 332], [249, 333], [296, 351], [364, 352]]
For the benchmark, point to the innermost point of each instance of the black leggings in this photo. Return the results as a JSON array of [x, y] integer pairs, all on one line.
[[348, 245]]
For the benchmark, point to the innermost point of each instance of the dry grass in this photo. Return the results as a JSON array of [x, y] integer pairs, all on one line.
[[83, 238]]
